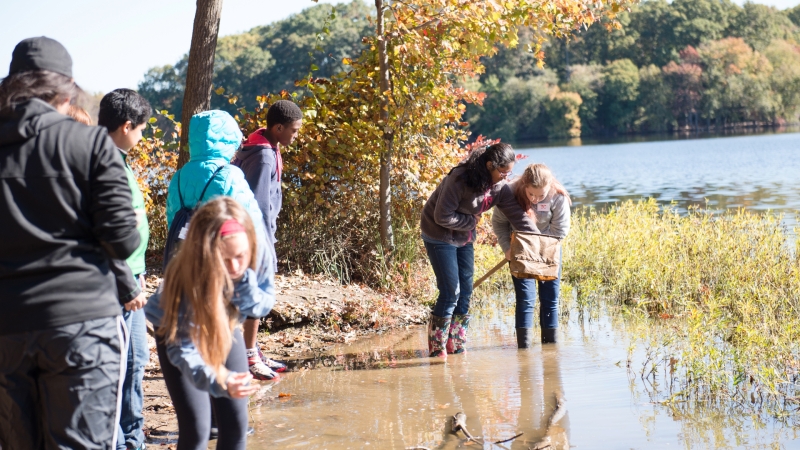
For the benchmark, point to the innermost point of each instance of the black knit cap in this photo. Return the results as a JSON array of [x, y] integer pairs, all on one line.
[[40, 53]]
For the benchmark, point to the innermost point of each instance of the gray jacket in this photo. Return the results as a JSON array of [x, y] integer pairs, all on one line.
[[452, 211], [259, 164], [552, 217], [253, 296]]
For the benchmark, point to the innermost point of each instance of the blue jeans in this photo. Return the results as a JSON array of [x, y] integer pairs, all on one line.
[[454, 268], [131, 419], [525, 292]]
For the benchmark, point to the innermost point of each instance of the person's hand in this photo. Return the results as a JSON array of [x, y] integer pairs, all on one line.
[[508, 254], [137, 303], [239, 385]]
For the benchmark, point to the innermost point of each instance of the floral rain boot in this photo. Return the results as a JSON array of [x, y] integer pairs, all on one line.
[[437, 336], [458, 334]]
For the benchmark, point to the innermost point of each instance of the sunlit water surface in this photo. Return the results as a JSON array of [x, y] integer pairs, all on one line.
[[754, 172], [385, 392]]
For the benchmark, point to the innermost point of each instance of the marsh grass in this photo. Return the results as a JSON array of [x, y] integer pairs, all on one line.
[[714, 298]]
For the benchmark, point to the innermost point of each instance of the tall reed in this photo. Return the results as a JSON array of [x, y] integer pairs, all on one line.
[[726, 288]]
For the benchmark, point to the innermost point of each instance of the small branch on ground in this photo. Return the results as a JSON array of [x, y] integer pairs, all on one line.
[[509, 439]]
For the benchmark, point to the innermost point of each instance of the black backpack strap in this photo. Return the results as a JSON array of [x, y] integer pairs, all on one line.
[[180, 196], [203, 194]]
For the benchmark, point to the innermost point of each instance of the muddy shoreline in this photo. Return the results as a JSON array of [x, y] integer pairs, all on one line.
[[311, 314]]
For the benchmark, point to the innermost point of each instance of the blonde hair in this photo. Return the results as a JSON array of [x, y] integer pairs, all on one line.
[[537, 176], [198, 276], [80, 115]]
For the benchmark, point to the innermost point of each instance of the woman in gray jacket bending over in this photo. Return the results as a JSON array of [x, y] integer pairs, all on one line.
[[448, 226], [542, 197]]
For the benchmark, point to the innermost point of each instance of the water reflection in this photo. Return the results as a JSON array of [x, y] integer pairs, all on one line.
[[385, 393]]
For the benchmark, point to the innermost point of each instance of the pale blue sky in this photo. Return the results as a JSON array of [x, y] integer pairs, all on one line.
[[113, 42]]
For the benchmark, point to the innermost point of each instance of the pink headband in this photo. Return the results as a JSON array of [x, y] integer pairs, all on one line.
[[231, 226]]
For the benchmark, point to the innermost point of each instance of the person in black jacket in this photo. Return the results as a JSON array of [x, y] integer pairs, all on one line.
[[65, 211]]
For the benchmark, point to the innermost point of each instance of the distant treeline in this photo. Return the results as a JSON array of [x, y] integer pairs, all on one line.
[[687, 64]]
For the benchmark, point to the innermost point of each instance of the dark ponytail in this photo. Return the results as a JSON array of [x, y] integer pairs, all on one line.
[[50, 87], [476, 175]]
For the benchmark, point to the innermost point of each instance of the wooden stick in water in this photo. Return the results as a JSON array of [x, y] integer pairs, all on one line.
[[558, 413], [489, 273], [460, 424]]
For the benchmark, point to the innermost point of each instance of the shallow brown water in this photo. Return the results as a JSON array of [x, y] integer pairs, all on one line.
[[385, 393]]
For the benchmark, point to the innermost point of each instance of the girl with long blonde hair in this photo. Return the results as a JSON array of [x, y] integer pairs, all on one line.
[[543, 198], [219, 277]]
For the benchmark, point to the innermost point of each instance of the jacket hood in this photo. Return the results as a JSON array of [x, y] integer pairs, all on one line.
[[253, 145], [213, 135], [27, 120]]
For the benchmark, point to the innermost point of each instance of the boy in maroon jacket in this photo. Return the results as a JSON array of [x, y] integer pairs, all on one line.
[[260, 160]]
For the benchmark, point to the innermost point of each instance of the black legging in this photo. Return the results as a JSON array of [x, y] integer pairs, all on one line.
[[193, 406]]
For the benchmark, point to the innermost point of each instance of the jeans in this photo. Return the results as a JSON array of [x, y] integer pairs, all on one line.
[[525, 292], [131, 421], [454, 268], [59, 386]]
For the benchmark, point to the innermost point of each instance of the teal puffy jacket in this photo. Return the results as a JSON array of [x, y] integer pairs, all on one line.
[[214, 137]]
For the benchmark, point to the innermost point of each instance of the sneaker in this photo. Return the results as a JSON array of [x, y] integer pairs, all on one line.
[[259, 370], [271, 363]]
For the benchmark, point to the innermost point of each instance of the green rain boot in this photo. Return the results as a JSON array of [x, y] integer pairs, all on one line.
[[458, 334], [524, 337], [437, 336]]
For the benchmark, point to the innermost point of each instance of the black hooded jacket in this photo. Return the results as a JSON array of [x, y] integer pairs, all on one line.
[[65, 209]]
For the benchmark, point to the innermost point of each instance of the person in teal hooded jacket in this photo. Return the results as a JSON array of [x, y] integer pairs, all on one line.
[[214, 137]]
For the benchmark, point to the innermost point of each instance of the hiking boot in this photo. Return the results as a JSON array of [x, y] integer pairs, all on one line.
[[271, 363], [549, 335], [259, 370], [457, 337], [438, 329], [524, 337]]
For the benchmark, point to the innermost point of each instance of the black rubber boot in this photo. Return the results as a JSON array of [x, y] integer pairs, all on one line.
[[549, 335], [524, 337]]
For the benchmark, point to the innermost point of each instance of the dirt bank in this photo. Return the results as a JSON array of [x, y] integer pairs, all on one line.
[[311, 314]]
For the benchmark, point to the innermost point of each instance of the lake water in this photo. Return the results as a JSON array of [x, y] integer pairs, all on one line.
[[755, 172], [385, 393]]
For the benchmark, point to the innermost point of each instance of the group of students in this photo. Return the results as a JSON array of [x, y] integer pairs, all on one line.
[[73, 338]]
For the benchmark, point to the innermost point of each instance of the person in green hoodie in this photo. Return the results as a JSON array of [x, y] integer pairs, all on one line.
[[125, 113]]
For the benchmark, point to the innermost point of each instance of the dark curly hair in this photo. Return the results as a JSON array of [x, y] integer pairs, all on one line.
[[283, 112], [476, 175]]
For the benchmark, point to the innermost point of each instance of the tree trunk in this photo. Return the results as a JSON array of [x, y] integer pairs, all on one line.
[[385, 201], [200, 72]]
